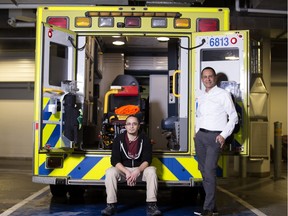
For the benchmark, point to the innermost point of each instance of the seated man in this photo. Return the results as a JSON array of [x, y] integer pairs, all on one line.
[[131, 157]]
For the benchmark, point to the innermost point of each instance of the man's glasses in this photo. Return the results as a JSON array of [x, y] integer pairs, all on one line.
[[132, 124]]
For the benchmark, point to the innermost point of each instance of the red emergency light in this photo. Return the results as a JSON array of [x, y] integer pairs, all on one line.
[[50, 33], [132, 22], [207, 24], [233, 40], [61, 22]]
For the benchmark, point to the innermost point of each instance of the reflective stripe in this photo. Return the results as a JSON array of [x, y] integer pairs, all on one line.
[[173, 169]]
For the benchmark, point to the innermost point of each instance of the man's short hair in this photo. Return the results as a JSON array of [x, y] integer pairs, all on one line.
[[209, 68], [129, 116]]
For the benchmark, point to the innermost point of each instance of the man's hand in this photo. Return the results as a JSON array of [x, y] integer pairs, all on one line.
[[220, 140], [128, 177], [131, 178]]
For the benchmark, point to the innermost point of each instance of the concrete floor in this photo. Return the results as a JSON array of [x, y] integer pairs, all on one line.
[[235, 196]]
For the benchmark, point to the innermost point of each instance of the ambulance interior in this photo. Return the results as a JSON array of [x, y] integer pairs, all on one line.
[[132, 78]]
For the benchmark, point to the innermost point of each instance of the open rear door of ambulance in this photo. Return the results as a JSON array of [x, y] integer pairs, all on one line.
[[228, 53], [58, 80]]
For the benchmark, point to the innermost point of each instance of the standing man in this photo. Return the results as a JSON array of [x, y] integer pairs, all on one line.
[[215, 120], [131, 158]]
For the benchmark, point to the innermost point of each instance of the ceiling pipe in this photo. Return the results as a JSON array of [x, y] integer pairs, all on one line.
[[251, 10], [17, 38], [12, 22], [35, 6]]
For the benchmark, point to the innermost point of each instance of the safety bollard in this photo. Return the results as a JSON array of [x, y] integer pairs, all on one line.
[[277, 149]]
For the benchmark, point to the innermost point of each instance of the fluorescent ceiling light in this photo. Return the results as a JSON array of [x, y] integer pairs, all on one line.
[[118, 43], [231, 58], [163, 39]]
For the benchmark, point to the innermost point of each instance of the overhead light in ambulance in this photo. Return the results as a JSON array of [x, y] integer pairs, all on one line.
[[207, 24], [83, 22], [118, 43], [61, 22], [182, 23], [159, 23], [163, 39], [231, 58], [106, 22], [132, 22]]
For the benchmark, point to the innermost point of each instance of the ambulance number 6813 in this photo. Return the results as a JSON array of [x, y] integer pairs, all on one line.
[[216, 41]]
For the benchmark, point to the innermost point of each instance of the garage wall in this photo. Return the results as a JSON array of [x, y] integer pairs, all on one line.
[[278, 98], [16, 102]]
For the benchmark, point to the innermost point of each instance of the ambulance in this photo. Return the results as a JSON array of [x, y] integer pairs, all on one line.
[[95, 65]]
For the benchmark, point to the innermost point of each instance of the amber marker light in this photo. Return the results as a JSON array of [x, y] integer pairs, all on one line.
[[83, 22], [182, 23]]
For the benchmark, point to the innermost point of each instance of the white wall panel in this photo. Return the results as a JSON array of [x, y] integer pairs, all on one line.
[[158, 110], [17, 67], [113, 65], [146, 63], [16, 117]]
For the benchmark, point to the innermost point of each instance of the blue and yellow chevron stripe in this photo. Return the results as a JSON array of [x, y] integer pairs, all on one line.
[[51, 131], [94, 167]]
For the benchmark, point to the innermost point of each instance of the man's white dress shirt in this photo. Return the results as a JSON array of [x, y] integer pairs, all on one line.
[[216, 112]]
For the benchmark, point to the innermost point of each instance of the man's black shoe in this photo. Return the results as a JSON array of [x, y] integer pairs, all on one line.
[[152, 209], [207, 213], [215, 212], [111, 209]]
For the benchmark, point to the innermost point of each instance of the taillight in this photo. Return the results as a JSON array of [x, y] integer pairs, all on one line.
[[205, 25], [36, 126], [61, 22], [132, 22]]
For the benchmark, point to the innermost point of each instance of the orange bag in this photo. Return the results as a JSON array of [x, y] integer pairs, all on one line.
[[127, 110]]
